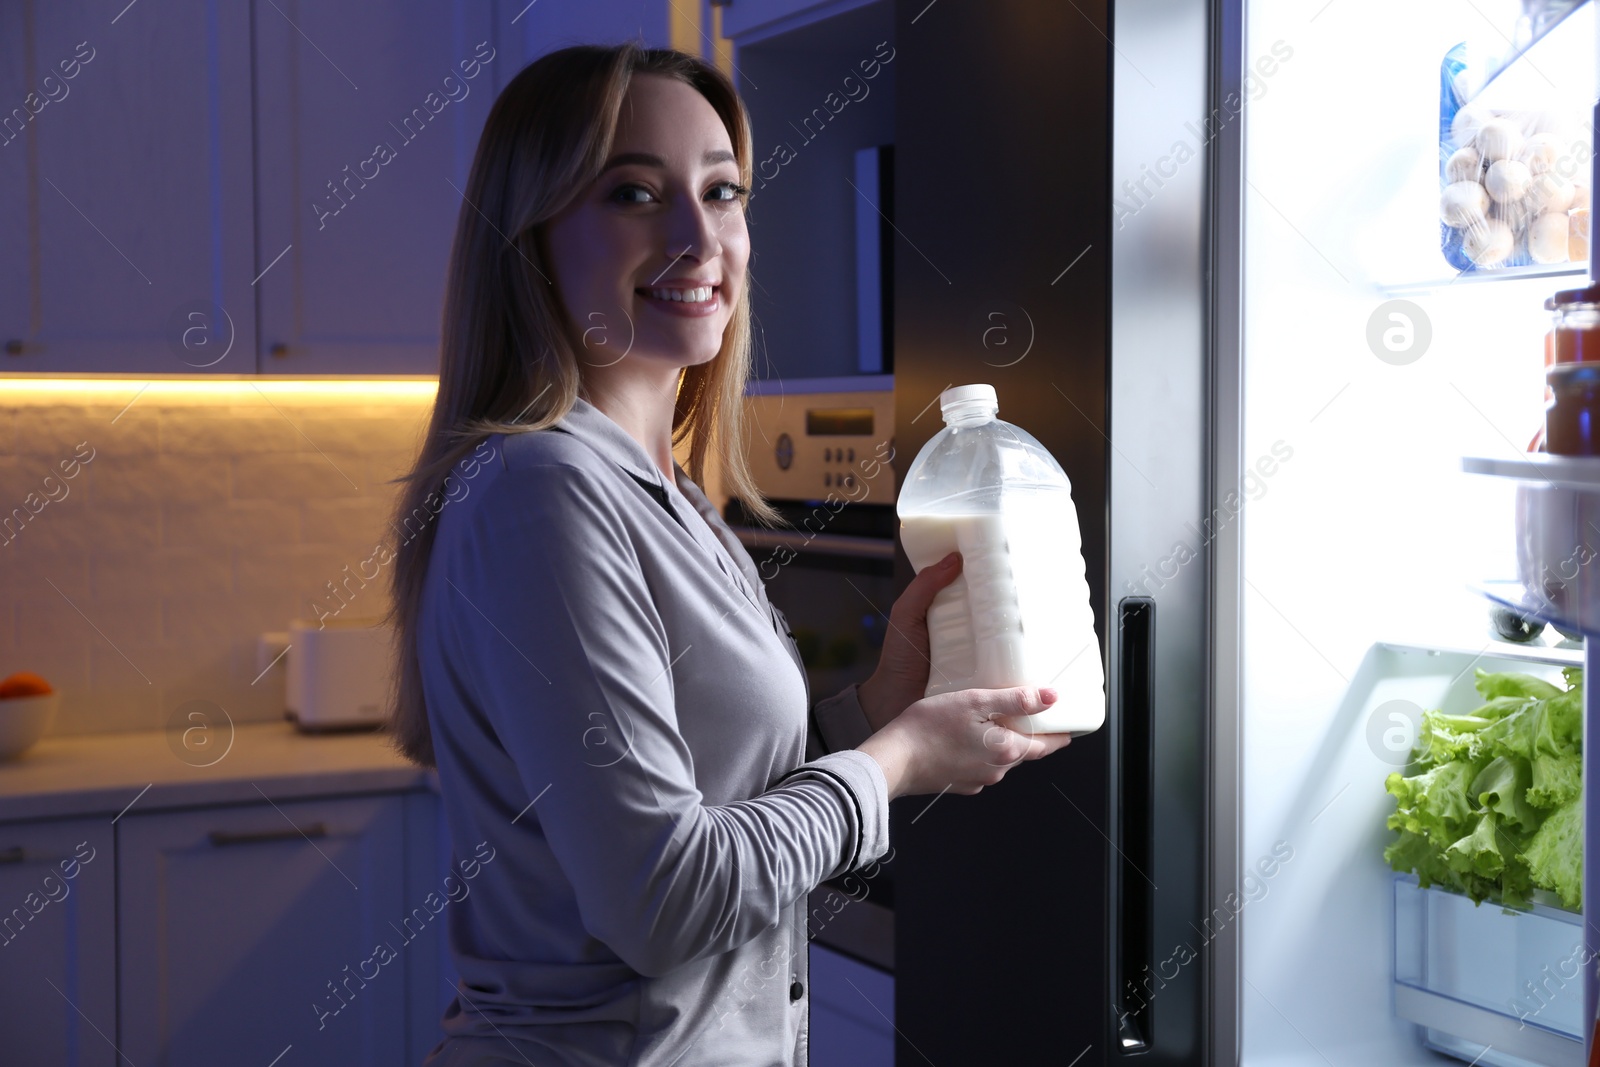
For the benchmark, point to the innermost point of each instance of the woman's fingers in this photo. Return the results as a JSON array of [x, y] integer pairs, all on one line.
[[969, 739], [920, 593], [1017, 703], [1048, 743], [1022, 744], [1027, 701]]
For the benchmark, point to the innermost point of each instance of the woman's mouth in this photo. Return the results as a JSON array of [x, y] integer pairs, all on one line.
[[690, 302]]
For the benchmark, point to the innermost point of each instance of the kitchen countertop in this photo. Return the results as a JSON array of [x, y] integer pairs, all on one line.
[[105, 774]]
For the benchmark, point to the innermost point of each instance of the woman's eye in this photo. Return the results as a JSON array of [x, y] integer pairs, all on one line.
[[622, 194], [722, 192], [732, 191]]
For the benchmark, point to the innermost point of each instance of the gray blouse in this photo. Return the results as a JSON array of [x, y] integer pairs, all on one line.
[[620, 713]]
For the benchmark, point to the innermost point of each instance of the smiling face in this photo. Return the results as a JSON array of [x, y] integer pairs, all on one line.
[[654, 251]]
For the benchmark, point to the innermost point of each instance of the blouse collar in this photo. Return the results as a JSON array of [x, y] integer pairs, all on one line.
[[603, 433], [606, 436]]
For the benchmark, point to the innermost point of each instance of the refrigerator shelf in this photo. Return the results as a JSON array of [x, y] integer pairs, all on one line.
[[1557, 539], [1492, 985], [1510, 593], [1541, 468], [1424, 286]]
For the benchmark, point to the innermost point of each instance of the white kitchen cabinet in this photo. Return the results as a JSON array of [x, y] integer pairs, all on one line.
[[852, 1012], [126, 189], [246, 931], [58, 943], [367, 118], [431, 976]]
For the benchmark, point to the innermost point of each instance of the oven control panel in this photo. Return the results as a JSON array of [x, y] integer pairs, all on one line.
[[808, 438]]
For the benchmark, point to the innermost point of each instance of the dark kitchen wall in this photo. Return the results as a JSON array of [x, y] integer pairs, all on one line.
[[816, 95], [1002, 197]]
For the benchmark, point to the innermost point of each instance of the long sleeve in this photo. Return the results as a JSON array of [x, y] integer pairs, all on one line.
[[572, 666]]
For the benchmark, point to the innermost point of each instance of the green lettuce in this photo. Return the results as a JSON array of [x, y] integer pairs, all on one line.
[[1490, 805], [1555, 854]]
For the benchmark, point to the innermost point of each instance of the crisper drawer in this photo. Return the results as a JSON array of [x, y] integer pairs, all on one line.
[[1491, 985]]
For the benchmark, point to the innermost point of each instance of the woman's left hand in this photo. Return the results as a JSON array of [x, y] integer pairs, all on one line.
[[902, 674]]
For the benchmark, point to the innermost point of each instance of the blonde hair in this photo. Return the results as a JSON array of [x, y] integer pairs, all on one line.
[[507, 363]]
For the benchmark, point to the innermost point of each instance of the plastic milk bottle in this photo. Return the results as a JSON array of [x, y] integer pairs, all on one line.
[[1019, 612]]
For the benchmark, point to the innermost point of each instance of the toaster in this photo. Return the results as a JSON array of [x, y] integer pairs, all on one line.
[[339, 673]]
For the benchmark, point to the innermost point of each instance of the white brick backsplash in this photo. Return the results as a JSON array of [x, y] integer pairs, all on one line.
[[54, 433], [382, 467], [299, 570], [157, 479], [163, 572], [26, 474], [85, 527], [126, 623], [27, 562], [361, 520], [235, 524], [135, 433], [124, 667], [200, 523], [298, 476], [358, 434], [125, 703], [207, 621], [183, 433]]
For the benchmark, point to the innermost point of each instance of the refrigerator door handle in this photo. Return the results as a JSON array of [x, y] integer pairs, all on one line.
[[1133, 902]]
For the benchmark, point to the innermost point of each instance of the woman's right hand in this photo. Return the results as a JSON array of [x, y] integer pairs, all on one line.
[[961, 741]]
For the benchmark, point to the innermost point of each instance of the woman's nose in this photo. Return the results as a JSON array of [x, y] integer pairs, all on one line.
[[693, 232]]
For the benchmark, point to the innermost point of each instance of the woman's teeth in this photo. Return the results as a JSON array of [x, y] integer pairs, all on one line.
[[687, 296]]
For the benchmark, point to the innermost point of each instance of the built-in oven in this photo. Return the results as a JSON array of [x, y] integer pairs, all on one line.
[[820, 452]]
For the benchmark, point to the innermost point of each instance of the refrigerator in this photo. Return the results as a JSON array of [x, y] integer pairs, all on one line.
[[1198, 250]]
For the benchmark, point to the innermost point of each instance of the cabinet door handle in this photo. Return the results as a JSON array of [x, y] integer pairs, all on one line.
[[228, 837], [16, 347], [13, 855]]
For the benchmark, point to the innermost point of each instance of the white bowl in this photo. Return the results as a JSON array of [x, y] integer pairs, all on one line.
[[23, 721]]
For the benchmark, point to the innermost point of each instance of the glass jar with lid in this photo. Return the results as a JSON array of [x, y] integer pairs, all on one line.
[[1574, 335], [1572, 415]]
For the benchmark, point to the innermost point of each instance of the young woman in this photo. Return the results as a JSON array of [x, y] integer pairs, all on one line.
[[618, 716]]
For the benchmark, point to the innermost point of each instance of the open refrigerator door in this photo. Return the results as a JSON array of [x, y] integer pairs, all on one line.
[[1411, 875]]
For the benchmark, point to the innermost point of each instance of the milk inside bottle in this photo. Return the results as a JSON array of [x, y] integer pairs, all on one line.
[[1018, 614]]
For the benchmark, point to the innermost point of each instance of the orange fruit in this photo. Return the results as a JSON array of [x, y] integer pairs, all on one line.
[[24, 684]]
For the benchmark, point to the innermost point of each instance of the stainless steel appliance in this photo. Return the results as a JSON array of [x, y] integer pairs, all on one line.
[[821, 451], [1075, 187]]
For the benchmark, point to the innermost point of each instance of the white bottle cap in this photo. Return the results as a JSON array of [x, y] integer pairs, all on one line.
[[962, 401]]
